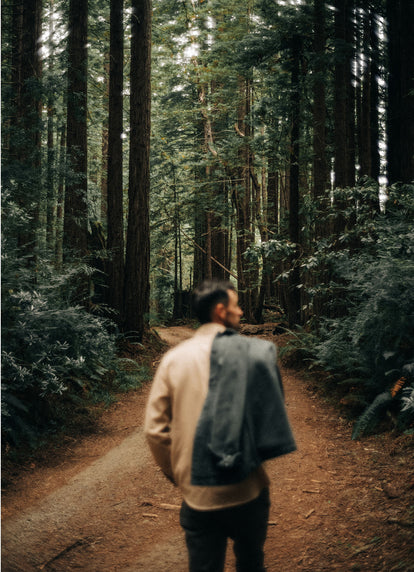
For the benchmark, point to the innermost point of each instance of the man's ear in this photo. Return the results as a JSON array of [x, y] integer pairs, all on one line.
[[219, 312]]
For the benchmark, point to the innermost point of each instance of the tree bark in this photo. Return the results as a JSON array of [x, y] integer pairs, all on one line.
[[60, 199], [320, 167], [243, 206], [365, 102], [400, 108], [115, 214], [350, 92], [344, 114], [76, 205], [16, 71], [294, 292], [138, 237], [105, 135], [51, 198], [28, 151], [374, 97]]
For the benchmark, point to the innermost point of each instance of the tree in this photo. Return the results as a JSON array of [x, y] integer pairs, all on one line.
[[374, 95], [76, 200], [115, 240], [136, 297], [295, 97], [243, 203], [344, 113], [320, 167], [400, 108], [26, 140]]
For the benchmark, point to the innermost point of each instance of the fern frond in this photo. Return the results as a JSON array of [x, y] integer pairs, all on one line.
[[408, 400], [372, 414]]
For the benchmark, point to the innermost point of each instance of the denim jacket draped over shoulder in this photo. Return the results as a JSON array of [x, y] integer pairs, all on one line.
[[243, 422]]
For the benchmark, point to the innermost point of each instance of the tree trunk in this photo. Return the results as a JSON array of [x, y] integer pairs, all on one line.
[[343, 147], [115, 215], [201, 193], [365, 102], [350, 92], [138, 238], [400, 109], [28, 150], [178, 282], [243, 205], [51, 198], [60, 199], [273, 200], [105, 135], [294, 280], [200, 233], [16, 71], [374, 97], [320, 167], [76, 205]]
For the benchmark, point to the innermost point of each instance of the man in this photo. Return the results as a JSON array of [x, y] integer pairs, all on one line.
[[214, 414]]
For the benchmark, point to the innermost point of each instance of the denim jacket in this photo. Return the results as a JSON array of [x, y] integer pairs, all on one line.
[[243, 421]]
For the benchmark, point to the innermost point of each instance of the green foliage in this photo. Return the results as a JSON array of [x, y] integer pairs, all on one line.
[[130, 374], [376, 334], [400, 408], [54, 354], [372, 414], [408, 399], [364, 280], [377, 283], [299, 347]]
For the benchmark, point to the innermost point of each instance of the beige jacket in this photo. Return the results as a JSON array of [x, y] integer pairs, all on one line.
[[174, 407]]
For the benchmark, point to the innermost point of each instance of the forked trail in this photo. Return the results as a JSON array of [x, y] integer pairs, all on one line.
[[100, 504]]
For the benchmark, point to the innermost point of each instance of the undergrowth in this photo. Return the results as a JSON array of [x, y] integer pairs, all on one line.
[[364, 343], [59, 360]]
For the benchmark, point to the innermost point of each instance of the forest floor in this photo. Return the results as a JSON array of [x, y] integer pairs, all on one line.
[[98, 503]]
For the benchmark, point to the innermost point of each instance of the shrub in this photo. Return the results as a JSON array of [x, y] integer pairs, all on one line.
[[364, 335], [54, 354]]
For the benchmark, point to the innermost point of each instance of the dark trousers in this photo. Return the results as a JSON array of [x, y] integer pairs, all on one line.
[[206, 534]]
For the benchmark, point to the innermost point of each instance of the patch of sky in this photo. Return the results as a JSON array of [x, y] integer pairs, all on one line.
[[291, 2], [210, 23]]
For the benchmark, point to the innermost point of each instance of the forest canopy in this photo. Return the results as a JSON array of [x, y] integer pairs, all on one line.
[[148, 146]]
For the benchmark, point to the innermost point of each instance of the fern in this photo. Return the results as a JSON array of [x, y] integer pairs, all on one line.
[[408, 401], [53, 352], [372, 414], [375, 412]]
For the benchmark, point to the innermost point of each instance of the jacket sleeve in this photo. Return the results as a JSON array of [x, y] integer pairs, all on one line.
[[273, 434], [157, 426]]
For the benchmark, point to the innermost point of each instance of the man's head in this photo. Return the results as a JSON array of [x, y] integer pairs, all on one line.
[[217, 301]]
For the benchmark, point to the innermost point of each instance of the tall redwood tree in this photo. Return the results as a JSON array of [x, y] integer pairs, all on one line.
[[115, 241], [76, 205], [400, 108], [136, 297]]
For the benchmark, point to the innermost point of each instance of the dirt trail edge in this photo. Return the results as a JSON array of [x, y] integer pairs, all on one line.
[[104, 506]]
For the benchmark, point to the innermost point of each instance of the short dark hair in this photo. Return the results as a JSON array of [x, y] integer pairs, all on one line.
[[208, 295]]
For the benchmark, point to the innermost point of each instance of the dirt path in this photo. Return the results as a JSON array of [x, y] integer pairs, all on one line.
[[103, 505]]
